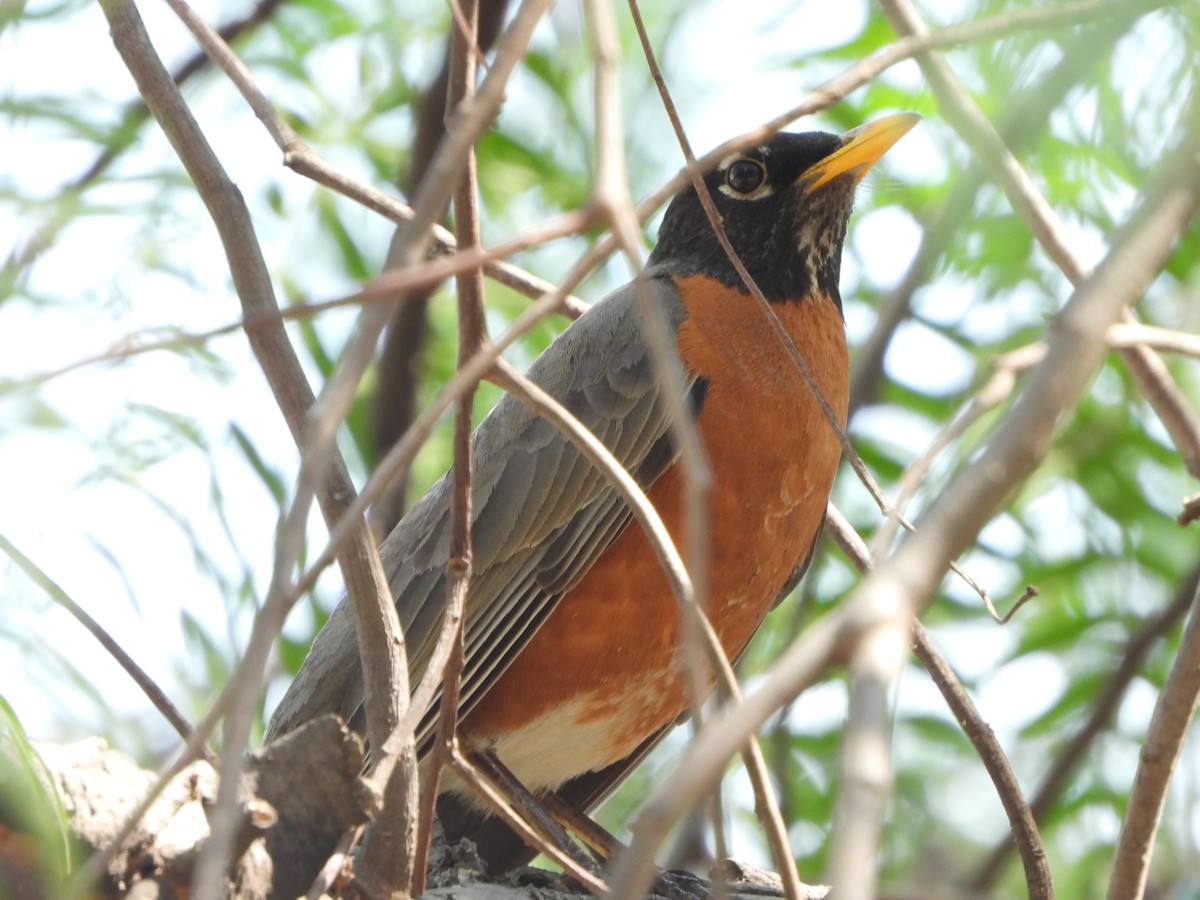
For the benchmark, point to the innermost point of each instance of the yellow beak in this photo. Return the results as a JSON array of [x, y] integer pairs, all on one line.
[[862, 148]]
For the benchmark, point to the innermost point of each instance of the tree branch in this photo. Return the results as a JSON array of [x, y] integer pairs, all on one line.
[[471, 336], [1020, 817], [402, 348], [363, 573], [1173, 715]]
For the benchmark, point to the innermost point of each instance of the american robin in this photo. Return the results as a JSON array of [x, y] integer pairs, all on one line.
[[572, 632]]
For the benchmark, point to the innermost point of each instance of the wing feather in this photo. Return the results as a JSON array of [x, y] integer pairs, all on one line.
[[542, 512]]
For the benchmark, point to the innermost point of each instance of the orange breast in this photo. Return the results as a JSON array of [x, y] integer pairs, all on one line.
[[602, 674]]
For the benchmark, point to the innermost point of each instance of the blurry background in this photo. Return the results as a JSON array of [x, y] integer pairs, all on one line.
[[149, 489]]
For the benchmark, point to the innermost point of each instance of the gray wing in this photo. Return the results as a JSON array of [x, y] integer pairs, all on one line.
[[542, 512]]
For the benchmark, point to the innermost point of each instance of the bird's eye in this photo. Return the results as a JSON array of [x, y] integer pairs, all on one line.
[[745, 176]]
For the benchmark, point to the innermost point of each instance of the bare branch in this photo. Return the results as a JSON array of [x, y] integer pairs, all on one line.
[[360, 562], [467, 771], [877, 655], [1167, 399], [1020, 817], [699, 477], [1173, 715], [471, 336], [599, 456], [387, 288], [1170, 340], [610, 193]]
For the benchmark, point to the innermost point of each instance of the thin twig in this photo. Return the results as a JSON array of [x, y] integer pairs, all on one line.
[[1038, 882], [643, 510], [601, 457], [399, 369], [481, 787], [304, 161], [153, 692], [1167, 399], [992, 393], [699, 480], [610, 194], [471, 336], [450, 674], [387, 288], [1170, 340]]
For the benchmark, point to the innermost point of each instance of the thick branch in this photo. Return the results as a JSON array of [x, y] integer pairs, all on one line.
[[360, 562]]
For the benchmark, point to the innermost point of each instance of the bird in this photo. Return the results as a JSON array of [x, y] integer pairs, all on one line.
[[573, 667]]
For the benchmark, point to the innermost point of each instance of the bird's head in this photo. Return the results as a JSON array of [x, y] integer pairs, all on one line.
[[784, 206]]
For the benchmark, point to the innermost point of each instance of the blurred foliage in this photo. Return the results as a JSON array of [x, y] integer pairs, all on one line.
[[198, 458], [30, 805]]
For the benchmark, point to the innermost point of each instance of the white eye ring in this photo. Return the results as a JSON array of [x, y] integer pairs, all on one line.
[[746, 176]]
